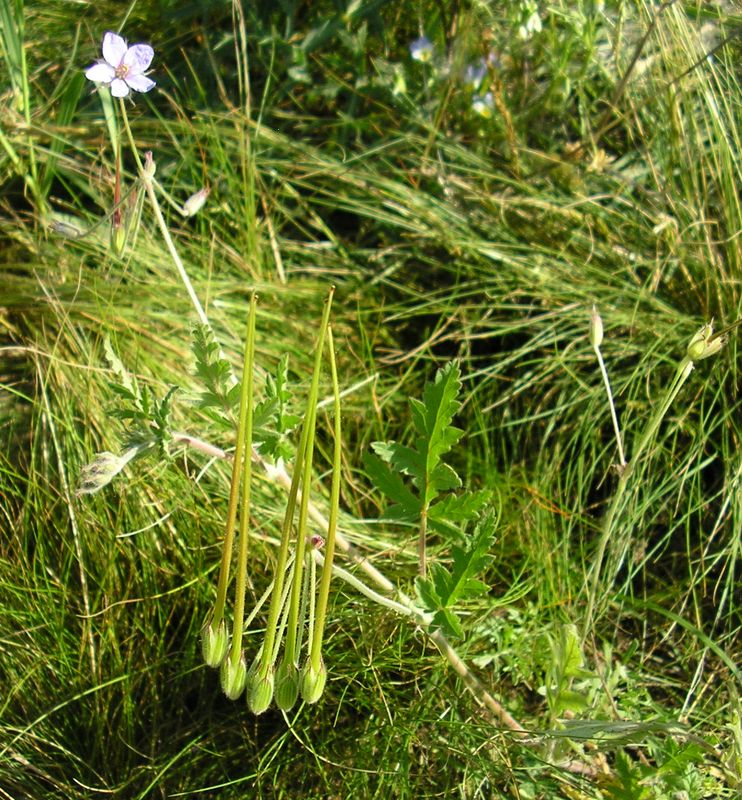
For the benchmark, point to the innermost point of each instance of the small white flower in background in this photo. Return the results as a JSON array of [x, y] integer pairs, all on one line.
[[531, 20], [483, 105], [195, 202], [475, 73], [422, 49], [122, 67]]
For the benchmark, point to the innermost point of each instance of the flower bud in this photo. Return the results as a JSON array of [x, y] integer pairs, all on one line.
[[233, 676], [214, 643], [195, 202], [313, 682], [150, 167], [704, 343], [287, 685], [67, 227], [596, 328], [118, 238], [259, 691], [103, 469]]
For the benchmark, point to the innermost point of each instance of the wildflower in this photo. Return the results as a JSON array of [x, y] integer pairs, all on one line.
[[599, 161], [483, 105], [530, 20], [474, 74], [122, 67], [422, 49]]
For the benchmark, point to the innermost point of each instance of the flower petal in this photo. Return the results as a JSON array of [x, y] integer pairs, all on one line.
[[100, 72], [141, 83], [138, 57], [119, 88], [114, 48]]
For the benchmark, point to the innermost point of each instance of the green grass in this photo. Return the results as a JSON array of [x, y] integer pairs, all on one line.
[[448, 236]]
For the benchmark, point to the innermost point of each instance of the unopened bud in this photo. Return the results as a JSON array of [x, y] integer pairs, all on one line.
[[259, 691], [103, 469], [214, 643], [118, 238], [596, 328], [150, 167], [704, 343], [287, 685], [313, 681], [67, 228], [195, 202], [233, 676]]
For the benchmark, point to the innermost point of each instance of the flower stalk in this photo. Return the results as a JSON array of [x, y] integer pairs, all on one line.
[[310, 423], [596, 339], [315, 665], [702, 345], [235, 658], [262, 670], [217, 616]]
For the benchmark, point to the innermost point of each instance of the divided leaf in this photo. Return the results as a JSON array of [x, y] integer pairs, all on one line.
[[221, 393], [405, 505], [273, 421], [446, 587], [422, 461]]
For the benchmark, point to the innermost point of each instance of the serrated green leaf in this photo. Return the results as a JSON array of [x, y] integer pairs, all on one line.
[[448, 623], [215, 373], [429, 599], [445, 587], [444, 478], [273, 419], [405, 505], [401, 458], [466, 564], [441, 579], [459, 508], [422, 462], [433, 416]]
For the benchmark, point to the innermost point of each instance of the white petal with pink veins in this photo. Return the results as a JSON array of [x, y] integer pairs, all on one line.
[[119, 88], [114, 48], [140, 83], [138, 57], [100, 73]]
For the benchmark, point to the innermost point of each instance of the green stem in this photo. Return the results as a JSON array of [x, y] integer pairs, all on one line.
[[310, 422], [266, 660], [329, 555], [611, 404], [684, 369], [245, 401], [247, 392], [147, 178], [422, 559]]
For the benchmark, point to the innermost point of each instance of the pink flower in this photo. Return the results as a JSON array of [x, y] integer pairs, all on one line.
[[122, 67]]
